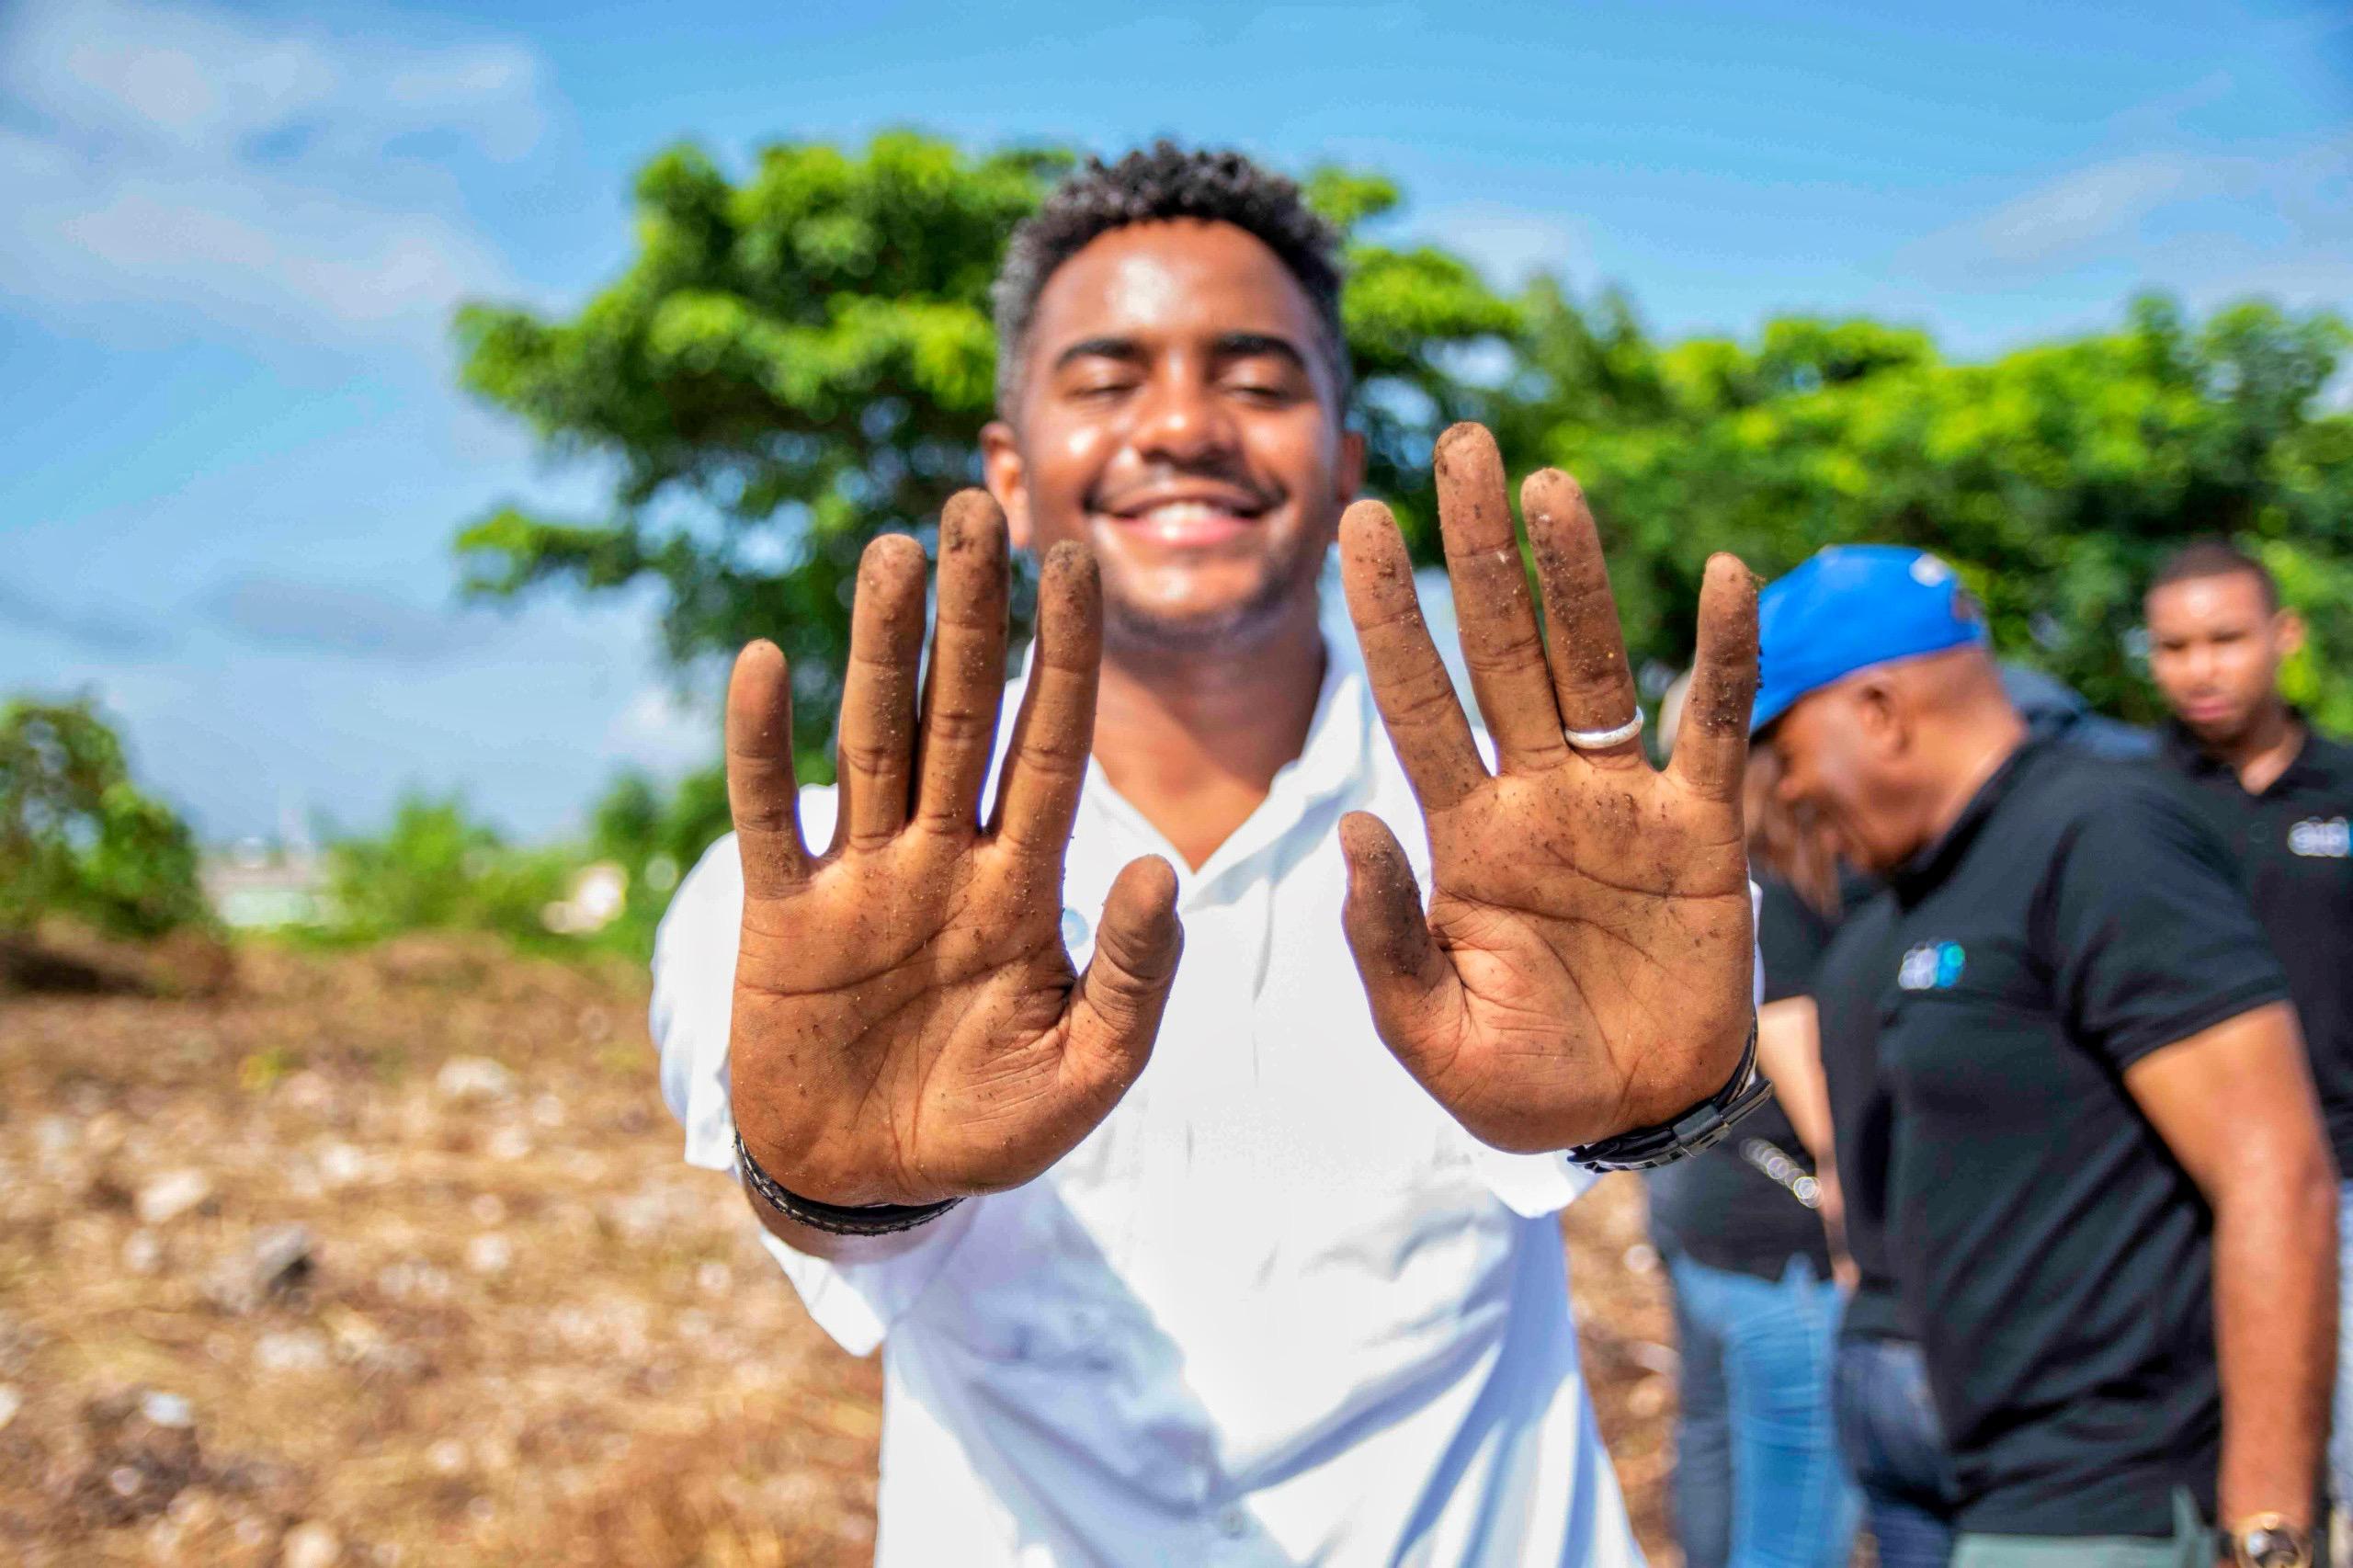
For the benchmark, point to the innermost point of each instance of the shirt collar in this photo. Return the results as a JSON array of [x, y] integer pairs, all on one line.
[[1928, 869], [1339, 734], [2183, 751], [1336, 760]]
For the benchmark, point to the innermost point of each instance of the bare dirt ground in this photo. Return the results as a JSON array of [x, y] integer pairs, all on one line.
[[390, 1258]]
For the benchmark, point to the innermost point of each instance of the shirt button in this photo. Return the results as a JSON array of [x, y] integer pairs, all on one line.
[[1232, 1523]]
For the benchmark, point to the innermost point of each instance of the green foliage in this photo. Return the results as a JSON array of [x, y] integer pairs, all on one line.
[[800, 358], [436, 869], [77, 837], [655, 838], [793, 364], [2053, 478], [804, 359]]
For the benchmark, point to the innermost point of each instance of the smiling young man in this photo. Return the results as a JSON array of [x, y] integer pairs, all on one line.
[[2069, 1096], [1169, 1260], [2280, 796]]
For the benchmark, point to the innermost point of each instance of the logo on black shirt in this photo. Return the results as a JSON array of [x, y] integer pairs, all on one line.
[[2322, 838], [1932, 966]]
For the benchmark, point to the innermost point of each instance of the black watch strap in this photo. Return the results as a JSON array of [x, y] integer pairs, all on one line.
[[1701, 1127], [840, 1219]]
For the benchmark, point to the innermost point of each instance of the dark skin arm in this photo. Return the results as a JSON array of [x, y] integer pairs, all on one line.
[[1789, 1051], [2236, 1104]]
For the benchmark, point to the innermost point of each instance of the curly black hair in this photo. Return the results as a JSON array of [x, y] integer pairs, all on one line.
[[1160, 182]]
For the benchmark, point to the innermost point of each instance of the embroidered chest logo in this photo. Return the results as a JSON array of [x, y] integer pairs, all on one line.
[[2322, 838], [1932, 966]]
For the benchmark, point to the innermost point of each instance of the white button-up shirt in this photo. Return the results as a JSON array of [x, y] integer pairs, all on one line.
[[1277, 1309]]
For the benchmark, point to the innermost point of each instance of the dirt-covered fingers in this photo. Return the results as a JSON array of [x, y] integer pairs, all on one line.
[[1116, 1011], [964, 682], [1410, 685], [1045, 764], [875, 741], [761, 792], [1711, 750], [1592, 681], [1493, 614], [1414, 993]]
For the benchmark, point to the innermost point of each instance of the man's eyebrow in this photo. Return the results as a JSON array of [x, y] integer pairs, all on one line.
[[1249, 345], [1099, 348]]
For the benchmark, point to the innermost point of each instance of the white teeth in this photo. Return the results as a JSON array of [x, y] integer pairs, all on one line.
[[1182, 514]]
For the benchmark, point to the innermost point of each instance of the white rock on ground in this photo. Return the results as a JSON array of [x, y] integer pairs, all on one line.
[[472, 1078], [167, 1410], [171, 1195], [310, 1545], [298, 1350]]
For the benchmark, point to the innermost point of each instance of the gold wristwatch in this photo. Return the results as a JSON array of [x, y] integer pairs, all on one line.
[[2269, 1540]]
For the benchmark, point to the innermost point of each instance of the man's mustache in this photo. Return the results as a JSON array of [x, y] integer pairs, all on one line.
[[1219, 485]]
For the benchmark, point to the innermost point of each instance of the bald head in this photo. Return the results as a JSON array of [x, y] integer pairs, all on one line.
[[1960, 685], [1889, 755]]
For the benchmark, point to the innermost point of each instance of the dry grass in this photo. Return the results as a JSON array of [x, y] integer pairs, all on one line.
[[528, 1335]]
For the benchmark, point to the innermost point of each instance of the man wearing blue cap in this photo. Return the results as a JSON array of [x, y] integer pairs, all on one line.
[[2071, 1108]]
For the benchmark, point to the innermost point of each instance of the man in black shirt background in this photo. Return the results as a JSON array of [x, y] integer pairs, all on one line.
[[2103, 1164], [2281, 795]]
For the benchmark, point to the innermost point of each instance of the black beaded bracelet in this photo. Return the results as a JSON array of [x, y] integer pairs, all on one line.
[[1701, 1127], [840, 1219]]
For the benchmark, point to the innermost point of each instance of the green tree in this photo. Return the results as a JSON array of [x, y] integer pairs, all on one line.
[[654, 836], [804, 359], [436, 867], [800, 358], [77, 837], [2054, 477]]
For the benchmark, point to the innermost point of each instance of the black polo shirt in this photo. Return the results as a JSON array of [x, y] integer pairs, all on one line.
[[1734, 1207], [2053, 1256], [2294, 843], [1846, 986]]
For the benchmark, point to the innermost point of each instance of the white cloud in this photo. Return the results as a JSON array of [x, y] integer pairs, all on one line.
[[1508, 244], [662, 734], [209, 172], [2088, 206], [2270, 219]]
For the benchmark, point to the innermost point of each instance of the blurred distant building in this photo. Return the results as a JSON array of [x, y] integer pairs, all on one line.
[[258, 885], [598, 893]]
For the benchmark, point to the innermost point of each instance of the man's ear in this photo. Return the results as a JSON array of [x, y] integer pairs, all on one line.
[[1882, 716], [2288, 633], [1350, 477], [1007, 479]]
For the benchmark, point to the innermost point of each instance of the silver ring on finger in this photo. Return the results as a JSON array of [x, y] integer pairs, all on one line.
[[1602, 740]]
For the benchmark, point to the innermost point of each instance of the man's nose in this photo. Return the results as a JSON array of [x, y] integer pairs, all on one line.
[[1182, 421]]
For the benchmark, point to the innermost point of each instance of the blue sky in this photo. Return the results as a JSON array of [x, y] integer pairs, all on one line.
[[233, 236]]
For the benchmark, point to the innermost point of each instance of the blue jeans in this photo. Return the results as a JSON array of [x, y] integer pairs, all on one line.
[[1888, 1429], [1758, 1482]]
